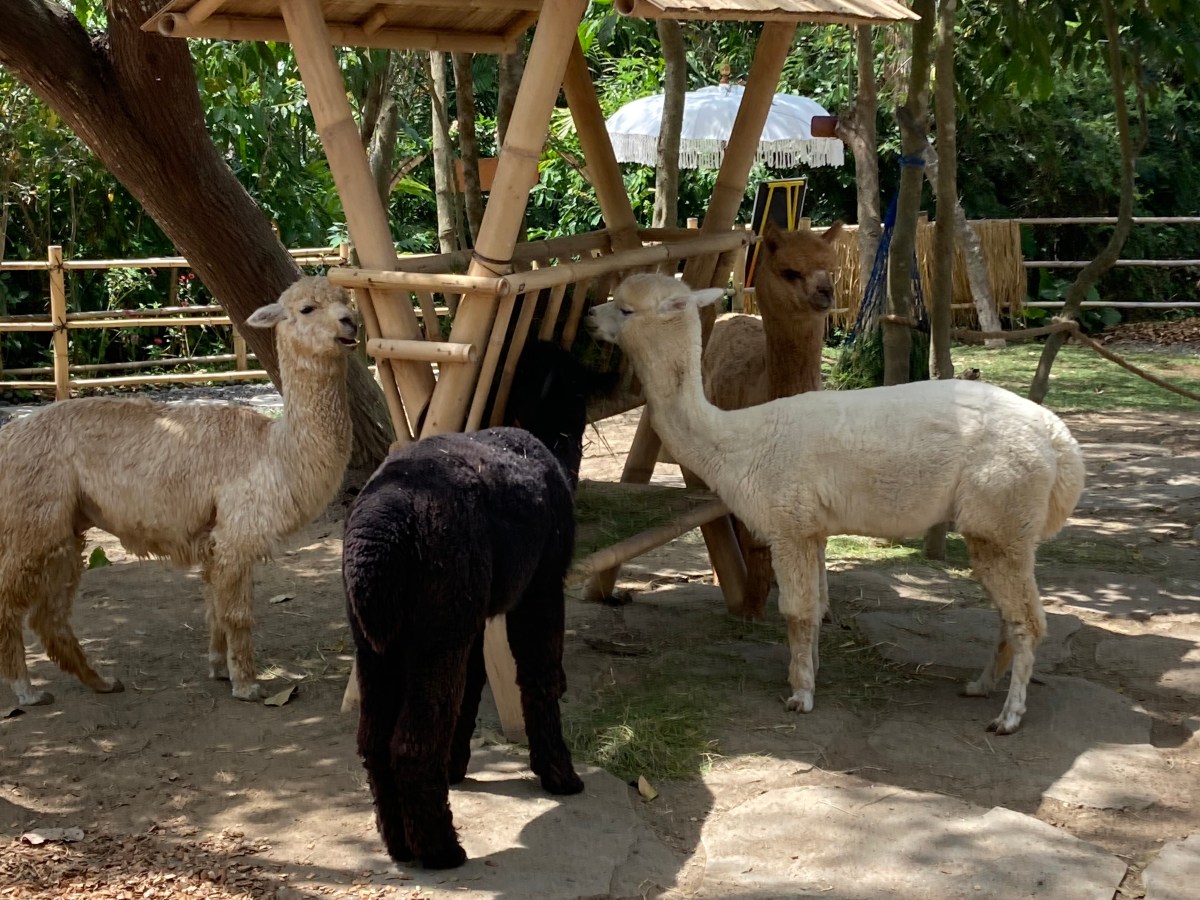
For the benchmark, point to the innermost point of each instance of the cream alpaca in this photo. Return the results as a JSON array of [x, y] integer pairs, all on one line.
[[214, 487], [748, 360], [888, 462]]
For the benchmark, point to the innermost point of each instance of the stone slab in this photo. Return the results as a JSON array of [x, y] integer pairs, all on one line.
[[1169, 661], [1121, 595], [952, 636], [523, 842], [1175, 872], [858, 841], [1111, 776]]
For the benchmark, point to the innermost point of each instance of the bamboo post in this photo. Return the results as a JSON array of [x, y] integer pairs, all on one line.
[[598, 153], [769, 56], [239, 349], [529, 304], [516, 173], [58, 315], [365, 215]]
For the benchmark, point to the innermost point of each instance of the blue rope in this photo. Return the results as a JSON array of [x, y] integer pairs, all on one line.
[[875, 293]]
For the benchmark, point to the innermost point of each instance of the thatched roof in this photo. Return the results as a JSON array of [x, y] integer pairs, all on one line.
[[481, 26]]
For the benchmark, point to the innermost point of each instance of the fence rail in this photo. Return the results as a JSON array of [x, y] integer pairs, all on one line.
[[61, 322], [1120, 263]]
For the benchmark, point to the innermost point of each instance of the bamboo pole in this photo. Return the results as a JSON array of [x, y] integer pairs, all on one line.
[[415, 281], [58, 315], [598, 154], [491, 360], [132, 364], [365, 215], [429, 316], [553, 306], [75, 324], [245, 28], [575, 312], [730, 187], [202, 9], [422, 351], [515, 348], [239, 349], [27, 326], [176, 377], [620, 260], [516, 173], [621, 552]]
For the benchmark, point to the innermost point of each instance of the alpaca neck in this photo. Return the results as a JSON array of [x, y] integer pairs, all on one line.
[[687, 423], [312, 439], [794, 347]]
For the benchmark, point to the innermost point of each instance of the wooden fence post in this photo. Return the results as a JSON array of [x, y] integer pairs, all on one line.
[[58, 315]]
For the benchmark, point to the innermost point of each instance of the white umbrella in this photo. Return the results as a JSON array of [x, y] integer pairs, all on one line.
[[708, 115]]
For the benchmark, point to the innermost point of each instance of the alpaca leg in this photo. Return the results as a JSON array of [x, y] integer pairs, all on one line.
[[1007, 575], [460, 748], [535, 635], [796, 566], [420, 749], [381, 688], [233, 613], [51, 619], [759, 573], [12, 654], [826, 611], [218, 642]]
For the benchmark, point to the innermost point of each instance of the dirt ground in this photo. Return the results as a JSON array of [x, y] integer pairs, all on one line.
[[182, 791]]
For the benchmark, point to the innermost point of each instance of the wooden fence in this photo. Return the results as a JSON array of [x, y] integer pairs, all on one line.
[[61, 376]]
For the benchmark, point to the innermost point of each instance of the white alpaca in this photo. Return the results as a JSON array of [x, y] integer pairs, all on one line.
[[210, 486], [888, 462]]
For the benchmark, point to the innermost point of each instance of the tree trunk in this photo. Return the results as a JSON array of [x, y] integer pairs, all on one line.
[[897, 338], [942, 294], [512, 65], [468, 143], [1090, 274], [443, 162], [379, 127], [857, 128], [131, 97], [666, 174]]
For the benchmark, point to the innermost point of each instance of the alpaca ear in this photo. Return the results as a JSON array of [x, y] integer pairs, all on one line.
[[833, 232], [770, 235], [267, 316], [708, 296]]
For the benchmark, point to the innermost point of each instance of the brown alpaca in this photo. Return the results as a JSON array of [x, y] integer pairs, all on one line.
[[748, 361]]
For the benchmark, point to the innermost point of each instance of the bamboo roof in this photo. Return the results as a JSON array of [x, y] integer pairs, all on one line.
[[480, 26]]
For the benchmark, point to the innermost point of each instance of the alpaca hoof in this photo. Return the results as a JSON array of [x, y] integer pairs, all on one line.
[[563, 784], [111, 686], [800, 701], [1003, 724], [450, 858], [35, 698], [252, 691], [974, 689]]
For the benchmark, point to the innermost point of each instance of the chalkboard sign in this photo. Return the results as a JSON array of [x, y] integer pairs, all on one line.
[[782, 202]]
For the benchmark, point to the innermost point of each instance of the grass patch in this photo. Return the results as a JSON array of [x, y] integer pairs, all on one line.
[[1084, 381], [658, 726], [606, 513]]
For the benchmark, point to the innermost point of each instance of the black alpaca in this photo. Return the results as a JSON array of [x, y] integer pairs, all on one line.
[[448, 532]]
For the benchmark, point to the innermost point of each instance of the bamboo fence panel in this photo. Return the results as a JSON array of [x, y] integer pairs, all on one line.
[[1001, 242]]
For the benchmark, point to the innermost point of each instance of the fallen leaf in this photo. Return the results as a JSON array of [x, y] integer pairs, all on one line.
[[46, 835], [281, 598], [98, 559], [646, 789], [282, 697]]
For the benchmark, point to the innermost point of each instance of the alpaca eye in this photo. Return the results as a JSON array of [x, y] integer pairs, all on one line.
[[305, 310], [792, 274], [624, 312]]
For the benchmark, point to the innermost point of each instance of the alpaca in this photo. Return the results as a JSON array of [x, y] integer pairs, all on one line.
[[214, 487], [748, 360], [447, 533], [887, 462]]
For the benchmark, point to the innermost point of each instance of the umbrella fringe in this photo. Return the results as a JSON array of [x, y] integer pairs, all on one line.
[[708, 153]]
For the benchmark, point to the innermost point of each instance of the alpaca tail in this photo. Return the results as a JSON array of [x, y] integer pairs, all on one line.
[[1068, 478], [371, 584]]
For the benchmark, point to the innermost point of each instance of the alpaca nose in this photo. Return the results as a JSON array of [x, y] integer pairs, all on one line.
[[349, 324]]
